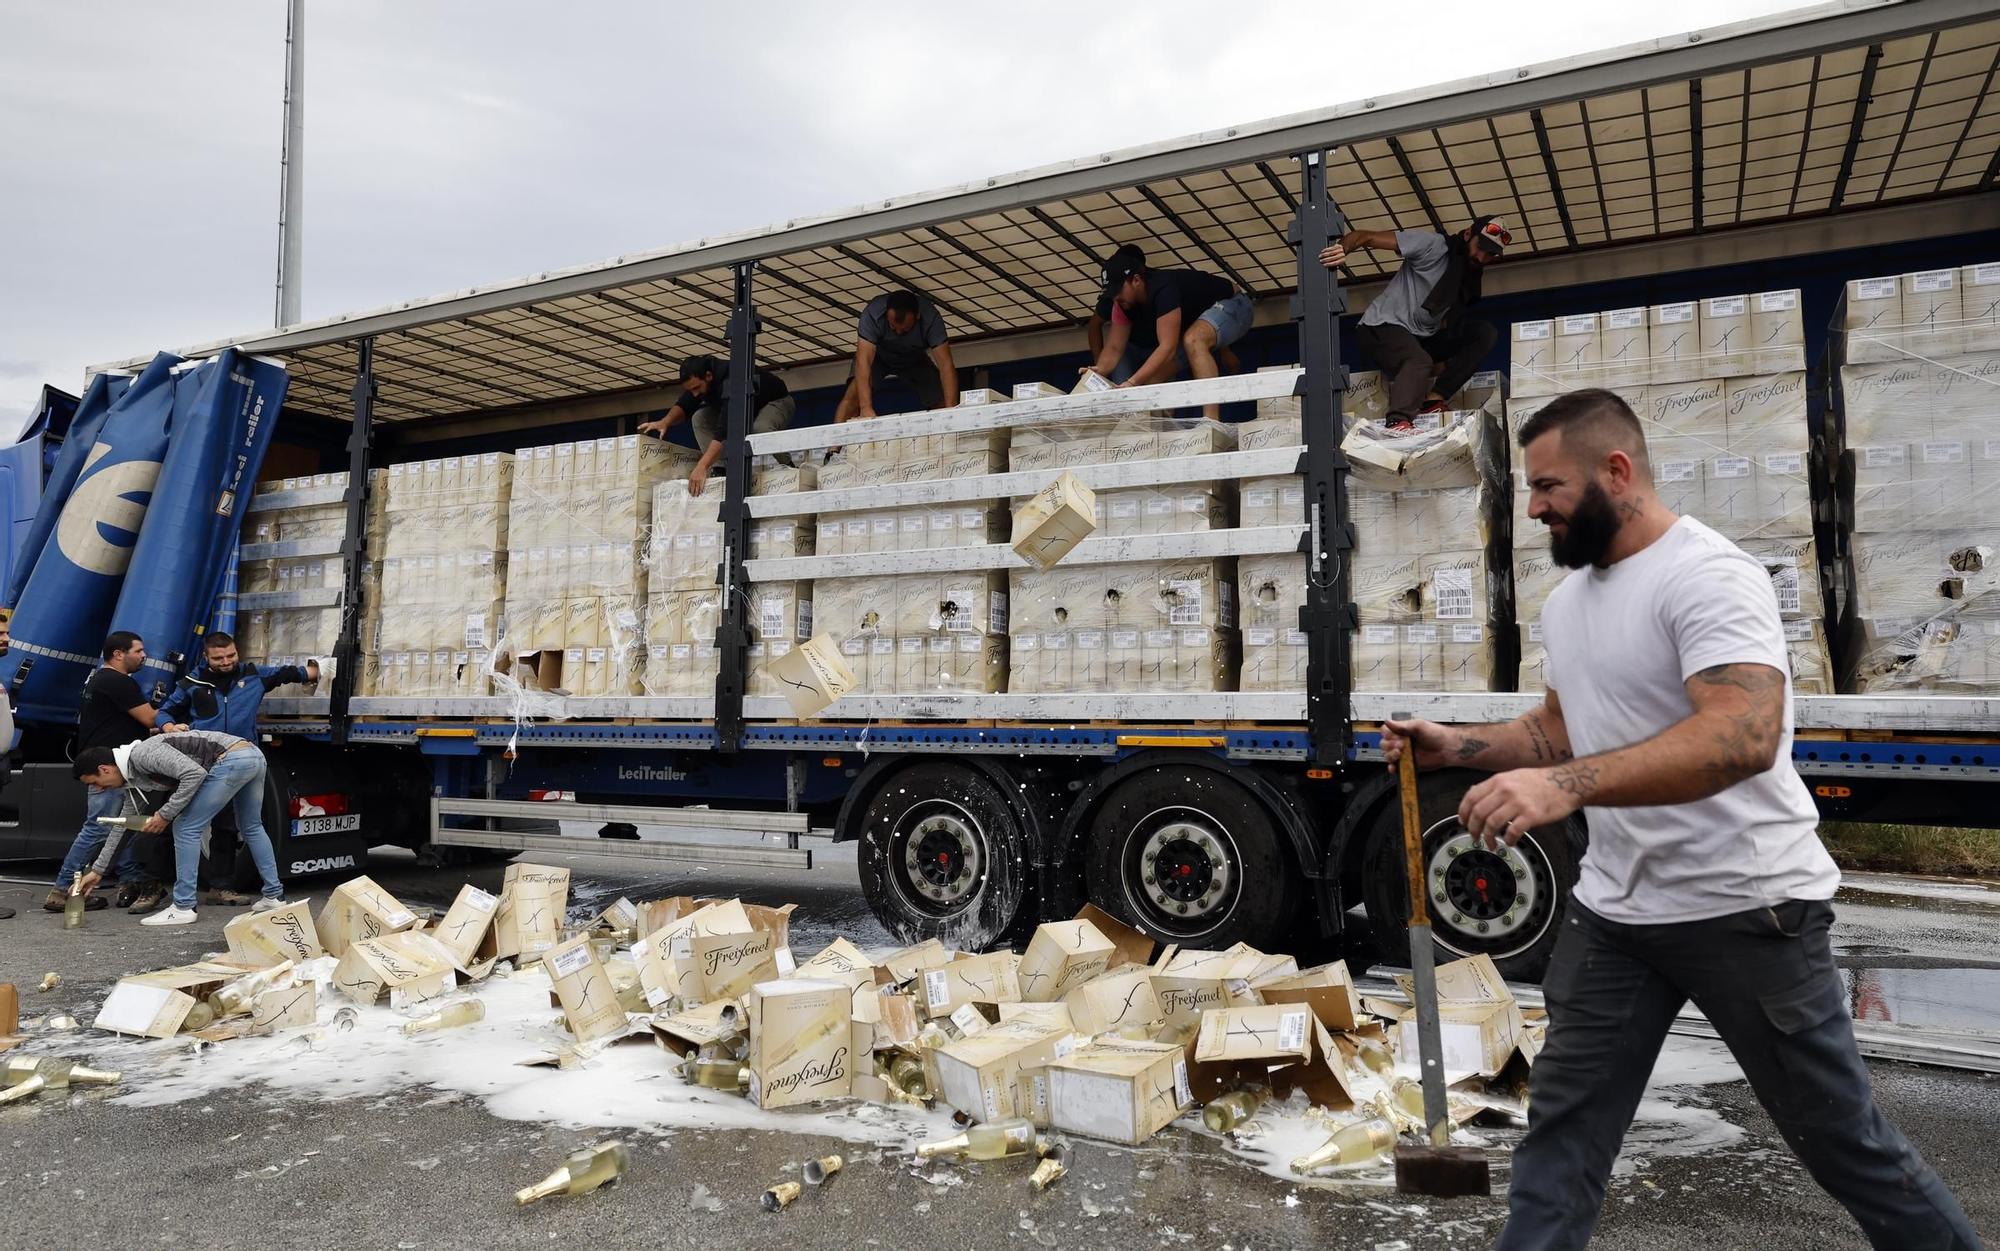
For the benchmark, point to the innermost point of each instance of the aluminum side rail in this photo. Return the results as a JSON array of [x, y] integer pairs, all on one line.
[[787, 825], [1190, 545], [1046, 411]]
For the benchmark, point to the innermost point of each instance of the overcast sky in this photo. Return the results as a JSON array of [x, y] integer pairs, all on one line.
[[462, 143]]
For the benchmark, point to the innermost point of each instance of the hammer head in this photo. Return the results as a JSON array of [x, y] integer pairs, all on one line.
[[1443, 1172]]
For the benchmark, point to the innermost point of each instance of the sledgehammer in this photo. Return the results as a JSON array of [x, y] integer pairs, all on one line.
[[1436, 1167]]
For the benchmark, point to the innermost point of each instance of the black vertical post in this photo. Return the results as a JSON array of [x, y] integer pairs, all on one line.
[[1328, 617], [354, 543], [732, 636]]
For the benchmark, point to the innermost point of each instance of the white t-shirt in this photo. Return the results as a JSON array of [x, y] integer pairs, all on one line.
[[1622, 643]]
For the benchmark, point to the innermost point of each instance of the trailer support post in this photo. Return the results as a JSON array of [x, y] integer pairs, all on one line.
[[353, 543], [732, 638]]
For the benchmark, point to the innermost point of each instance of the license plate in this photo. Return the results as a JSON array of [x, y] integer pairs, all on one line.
[[302, 826]]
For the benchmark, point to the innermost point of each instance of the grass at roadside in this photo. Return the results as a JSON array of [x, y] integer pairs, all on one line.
[[1914, 849]]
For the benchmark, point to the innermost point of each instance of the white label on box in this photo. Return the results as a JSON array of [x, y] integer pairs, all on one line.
[[1729, 306], [1291, 1031], [885, 527], [475, 630], [571, 961], [1124, 638], [399, 917], [1993, 449], [1535, 632], [1257, 636], [1526, 331], [1874, 288], [1797, 631], [937, 986], [1182, 1094], [1056, 641], [996, 612], [1579, 323], [1186, 602], [1189, 638], [656, 996], [1065, 1046], [1986, 275], [1674, 314], [787, 963], [1089, 640], [1295, 638], [992, 1104], [968, 1019], [1378, 634], [771, 616], [1777, 301], [1260, 497], [1451, 590], [1884, 457], [941, 522], [1159, 638], [1027, 643], [1785, 463], [1468, 634], [1159, 506], [1625, 319], [479, 901], [1731, 466], [1934, 280], [1785, 581], [1945, 452], [1679, 470], [1423, 634]]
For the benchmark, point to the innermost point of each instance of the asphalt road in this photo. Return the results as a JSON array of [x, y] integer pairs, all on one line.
[[433, 1166]]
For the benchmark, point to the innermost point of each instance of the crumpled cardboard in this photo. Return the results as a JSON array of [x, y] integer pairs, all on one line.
[[1130, 946], [1327, 990], [534, 899], [1060, 957], [839, 961], [1117, 1090], [286, 1007], [684, 1033], [134, 1007], [359, 909], [262, 939], [590, 1004], [802, 1042], [410, 968], [992, 979], [902, 966], [1324, 1077]]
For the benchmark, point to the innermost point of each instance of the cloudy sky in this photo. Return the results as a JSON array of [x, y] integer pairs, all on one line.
[[458, 143]]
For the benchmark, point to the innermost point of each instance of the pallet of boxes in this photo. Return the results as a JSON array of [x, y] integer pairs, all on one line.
[[290, 605], [1720, 387], [1919, 407]]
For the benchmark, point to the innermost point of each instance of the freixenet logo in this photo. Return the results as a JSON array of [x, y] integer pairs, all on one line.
[[1077, 974], [1676, 402], [733, 956], [1192, 999], [1887, 380], [292, 934], [1792, 384], [651, 773], [811, 1074]]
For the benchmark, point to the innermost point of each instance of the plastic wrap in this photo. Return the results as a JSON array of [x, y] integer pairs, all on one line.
[[1722, 337], [918, 633], [1146, 626]]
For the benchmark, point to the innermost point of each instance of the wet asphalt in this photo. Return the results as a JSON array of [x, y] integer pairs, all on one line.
[[424, 1168]]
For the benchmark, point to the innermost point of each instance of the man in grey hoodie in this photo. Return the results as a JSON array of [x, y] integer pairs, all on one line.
[[207, 770]]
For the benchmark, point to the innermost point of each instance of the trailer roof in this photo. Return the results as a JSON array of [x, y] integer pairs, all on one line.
[[1842, 107]]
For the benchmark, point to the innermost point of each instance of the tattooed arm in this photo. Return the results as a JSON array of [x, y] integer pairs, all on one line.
[[1731, 735], [1536, 737]]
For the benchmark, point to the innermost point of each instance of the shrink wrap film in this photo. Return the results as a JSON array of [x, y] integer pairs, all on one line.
[[1673, 341], [1777, 333], [1874, 320], [1624, 349], [1979, 301]]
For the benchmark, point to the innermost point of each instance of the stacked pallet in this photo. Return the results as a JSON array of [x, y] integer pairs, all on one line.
[[441, 560], [1921, 406]]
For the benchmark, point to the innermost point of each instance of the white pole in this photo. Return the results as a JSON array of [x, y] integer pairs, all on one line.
[[291, 206]]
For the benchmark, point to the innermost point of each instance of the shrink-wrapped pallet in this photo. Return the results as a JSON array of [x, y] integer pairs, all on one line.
[[915, 634], [293, 635], [1147, 626]]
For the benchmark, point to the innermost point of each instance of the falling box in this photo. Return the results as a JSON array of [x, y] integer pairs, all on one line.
[[1058, 517], [812, 676]]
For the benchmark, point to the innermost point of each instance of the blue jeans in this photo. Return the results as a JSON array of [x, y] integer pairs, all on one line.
[[1766, 981], [90, 839], [237, 782]]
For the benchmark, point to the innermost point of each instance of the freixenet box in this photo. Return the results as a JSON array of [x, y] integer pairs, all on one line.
[[839, 961], [665, 957], [534, 899], [727, 965], [1576, 350], [802, 1042], [287, 1007], [1117, 1090], [1673, 335], [1324, 1077], [1035, 390], [1193, 982], [467, 930], [1531, 360], [1120, 998], [1062, 956], [149, 1011], [589, 1003], [977, 1075], [621, 914], [1623, 349], [1725, 336], [685, 1032], [991, 978], [813, 675], [904, 965], [360, 909], [1277, 1031], [410, 968], [262, 939], [1475, 1037], [1132, 946], [1057, 518], [1326, 990]]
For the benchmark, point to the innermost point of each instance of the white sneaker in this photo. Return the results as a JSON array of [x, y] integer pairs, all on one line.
[[172, 916], [267, 904]]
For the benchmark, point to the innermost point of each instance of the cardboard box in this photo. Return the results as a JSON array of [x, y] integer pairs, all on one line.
[[729, 964], [666, 959], [262, 939], [685, 1032], [1475, 1037], [589, 1003], [286, 1007], [360, 909], [1051, 524], [534, 899], [904, 965], [978, 1075], [839, 961], [1326, 990], [1324, 1077], [1193, 982], [1062, 956], [1035, 390], [1278, 1031], [1475, 979], [1112, 1002], [1118, 1091], [1132, 946], [467, 930], [411, 968], [149, 1011], [991, 978], [813, 675], [802, 1043]]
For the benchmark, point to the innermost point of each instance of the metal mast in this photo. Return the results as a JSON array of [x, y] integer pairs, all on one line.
[[291, 205]]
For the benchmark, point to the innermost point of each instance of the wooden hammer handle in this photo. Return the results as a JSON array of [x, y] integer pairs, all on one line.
[[1413, 837]]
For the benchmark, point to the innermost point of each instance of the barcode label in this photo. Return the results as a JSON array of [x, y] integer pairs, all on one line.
[[1777, 301], [1785, 581], [1673, 314], [1260, 637], [1535, 632], [1182, 1095], [1934, 280], [1680, 470], [1529, 331], [479, 901], [1186, 598], [1986, 275], [1625, 319], [657, 995], [1292, 1031], [968, 1019], [771, 616], [1451, 591], [1785, 463], [1874, 288], [1884, 457], [1064, 1046], [1944, 453], [1420, 634], [1378, 634], [1798, 631], [571, 961], [937, 987], [1468, 634], [1731, 466], [1729, 306], [1581, 323]]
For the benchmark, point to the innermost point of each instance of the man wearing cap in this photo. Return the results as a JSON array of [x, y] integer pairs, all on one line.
[[899, 335], [1417, 330], [706, 378], [1188, 312]]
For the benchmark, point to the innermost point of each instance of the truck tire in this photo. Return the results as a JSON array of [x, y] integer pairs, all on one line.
[[942, 854], [1189, 856], [1508, 904]]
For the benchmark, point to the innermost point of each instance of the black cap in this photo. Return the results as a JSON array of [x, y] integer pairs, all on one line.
[[1121, 265]]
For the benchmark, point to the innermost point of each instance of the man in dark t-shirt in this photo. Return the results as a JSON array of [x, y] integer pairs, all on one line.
[[899, 334], [1190, 312], [704, 404], [112, 713]]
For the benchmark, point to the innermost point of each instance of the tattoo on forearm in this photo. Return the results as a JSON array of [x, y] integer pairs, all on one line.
[[1539, 741], [1468, 747], [1577, 778]]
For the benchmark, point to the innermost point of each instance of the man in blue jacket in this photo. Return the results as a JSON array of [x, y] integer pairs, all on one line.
[[224, 696]]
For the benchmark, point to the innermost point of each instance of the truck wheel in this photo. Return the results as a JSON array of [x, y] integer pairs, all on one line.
[[1189, 856], [1506, 904], [942, 855]]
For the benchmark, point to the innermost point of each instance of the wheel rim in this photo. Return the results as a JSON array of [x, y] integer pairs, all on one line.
[[1500, 902], [1184, 867], [940, 854]]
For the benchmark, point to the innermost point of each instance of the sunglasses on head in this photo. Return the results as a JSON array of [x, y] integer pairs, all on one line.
[[1496, 232]]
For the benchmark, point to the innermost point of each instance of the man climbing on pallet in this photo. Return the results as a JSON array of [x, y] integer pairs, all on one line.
[[705, 403], [899, 335], [1186, 313], [1417, 329], [1668, 720]]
